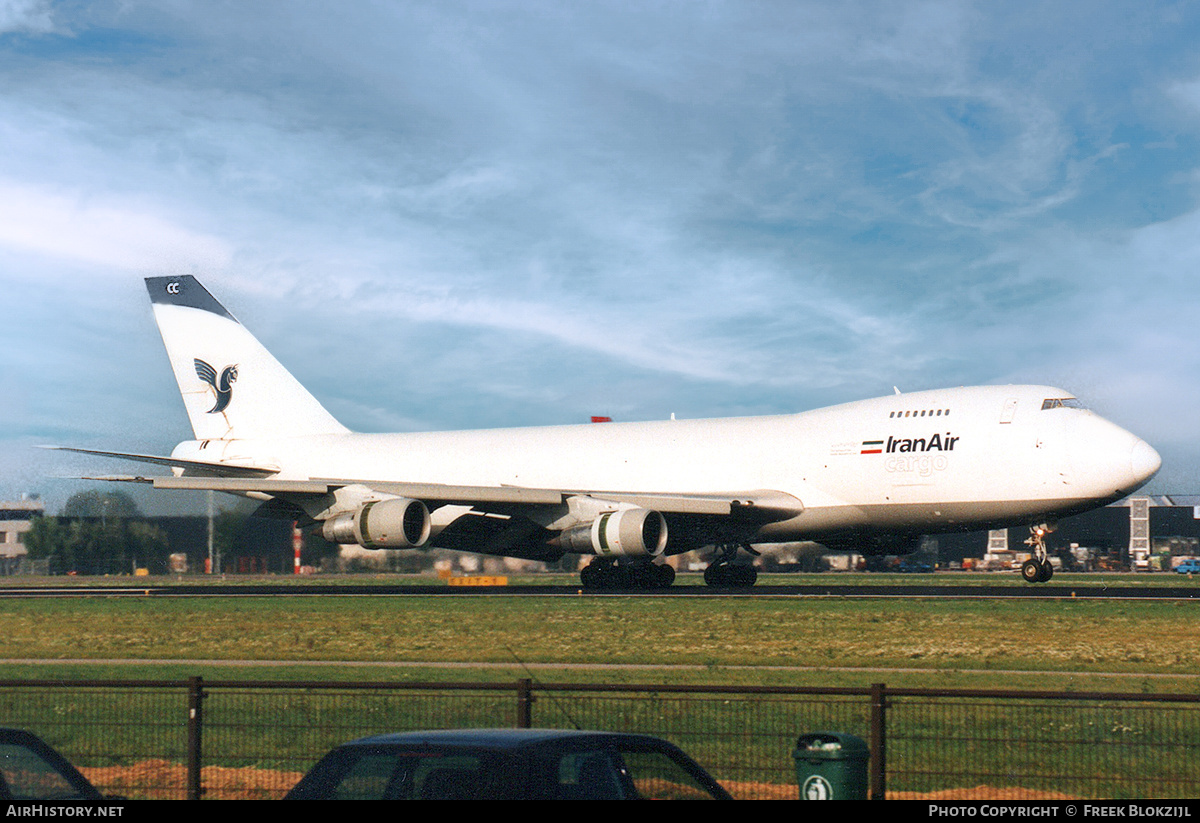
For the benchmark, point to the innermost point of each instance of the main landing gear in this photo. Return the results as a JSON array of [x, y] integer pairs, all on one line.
[[606, 573], [722, 571], [1037, 569]]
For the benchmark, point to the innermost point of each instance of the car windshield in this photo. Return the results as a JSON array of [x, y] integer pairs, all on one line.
[[28, 776], [626, 773], [401, 775], [590, 775], [657, 776]]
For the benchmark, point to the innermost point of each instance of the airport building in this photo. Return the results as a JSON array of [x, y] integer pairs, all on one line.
[[16, 518], [1141, 533]]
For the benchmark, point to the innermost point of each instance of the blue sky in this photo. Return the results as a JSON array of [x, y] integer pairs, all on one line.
[[448, 215]]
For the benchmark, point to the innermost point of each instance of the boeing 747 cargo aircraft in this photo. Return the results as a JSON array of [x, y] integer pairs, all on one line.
[[871, 476]]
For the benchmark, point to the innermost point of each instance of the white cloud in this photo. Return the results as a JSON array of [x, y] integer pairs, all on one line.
[[101, 232], [26, 15], [756, 204]]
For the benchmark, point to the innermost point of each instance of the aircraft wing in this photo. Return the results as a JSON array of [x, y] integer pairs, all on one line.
[[515, 521], [763, 505]]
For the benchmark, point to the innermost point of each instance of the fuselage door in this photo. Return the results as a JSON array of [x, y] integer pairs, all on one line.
[[1010, 410]]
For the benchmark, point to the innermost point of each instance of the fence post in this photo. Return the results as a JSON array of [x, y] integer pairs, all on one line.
[[878, 741], [195, 727], [525, 703]]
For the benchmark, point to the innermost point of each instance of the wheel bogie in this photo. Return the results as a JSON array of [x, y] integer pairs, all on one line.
[[604, 574], [738, 575]]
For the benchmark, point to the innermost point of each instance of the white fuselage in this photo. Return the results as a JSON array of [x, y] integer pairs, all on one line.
[[929, 461]]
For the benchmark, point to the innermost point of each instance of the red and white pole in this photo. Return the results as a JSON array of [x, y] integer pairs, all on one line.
[[297, 542]]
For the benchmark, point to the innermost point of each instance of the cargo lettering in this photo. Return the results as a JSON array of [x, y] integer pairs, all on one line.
[[923, 465]]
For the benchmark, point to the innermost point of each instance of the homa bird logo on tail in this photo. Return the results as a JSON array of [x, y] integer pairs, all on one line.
[[223, 388]]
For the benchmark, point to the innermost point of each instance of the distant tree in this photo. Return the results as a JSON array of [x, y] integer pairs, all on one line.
[[241, 534], [89, 546], [101, 504], [316, 549], [146, 546], [229, 527], [64, 543], [811, 558], [44, 537]]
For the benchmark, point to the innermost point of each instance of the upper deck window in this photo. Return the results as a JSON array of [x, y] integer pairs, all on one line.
[[1061, 403], [921, 413]]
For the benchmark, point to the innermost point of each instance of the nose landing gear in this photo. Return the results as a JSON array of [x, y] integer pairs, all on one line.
[[1037, 569]]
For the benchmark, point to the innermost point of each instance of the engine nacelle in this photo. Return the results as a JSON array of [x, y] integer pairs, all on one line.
[[394, 523], [625, 532]]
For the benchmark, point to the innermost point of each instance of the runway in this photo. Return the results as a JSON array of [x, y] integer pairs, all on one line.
[[1167, 591]]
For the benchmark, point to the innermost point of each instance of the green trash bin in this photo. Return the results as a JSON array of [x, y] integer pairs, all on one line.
[[831, 766]]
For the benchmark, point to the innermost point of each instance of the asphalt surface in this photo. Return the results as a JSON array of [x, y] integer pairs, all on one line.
[[976, 592]]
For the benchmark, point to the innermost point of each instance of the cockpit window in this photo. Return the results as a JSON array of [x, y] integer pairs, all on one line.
[[1061, 403]]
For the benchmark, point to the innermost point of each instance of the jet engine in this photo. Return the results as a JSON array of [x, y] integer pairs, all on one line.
[[393, 523], [628, 532]]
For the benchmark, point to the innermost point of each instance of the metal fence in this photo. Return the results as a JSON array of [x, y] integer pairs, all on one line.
[[233, 740]]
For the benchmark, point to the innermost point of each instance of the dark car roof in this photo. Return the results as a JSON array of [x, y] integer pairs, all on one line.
[[507, 746], [501, 738]]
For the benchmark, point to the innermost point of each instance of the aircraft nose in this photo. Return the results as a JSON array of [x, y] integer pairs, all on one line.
[[1107, 459], [1144, 461]]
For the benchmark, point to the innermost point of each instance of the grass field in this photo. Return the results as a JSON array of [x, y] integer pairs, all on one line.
[[1083, 644]]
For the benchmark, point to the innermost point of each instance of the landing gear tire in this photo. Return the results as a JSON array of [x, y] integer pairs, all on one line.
[[592, 577], [745, 576], [713, 575], [1031, 570], [664, 576], [1047, 572]]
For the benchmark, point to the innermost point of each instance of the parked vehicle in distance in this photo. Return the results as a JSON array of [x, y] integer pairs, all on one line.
[[1188, 567], [31, 770], [507, 764]]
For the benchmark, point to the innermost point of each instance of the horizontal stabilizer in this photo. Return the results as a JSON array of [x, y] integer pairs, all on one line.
[[210, 469], [115, 478]]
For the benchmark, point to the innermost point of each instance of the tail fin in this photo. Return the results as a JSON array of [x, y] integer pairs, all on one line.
[[232, 387]]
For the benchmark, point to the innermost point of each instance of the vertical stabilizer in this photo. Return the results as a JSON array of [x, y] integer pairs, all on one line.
[[231, 385]]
